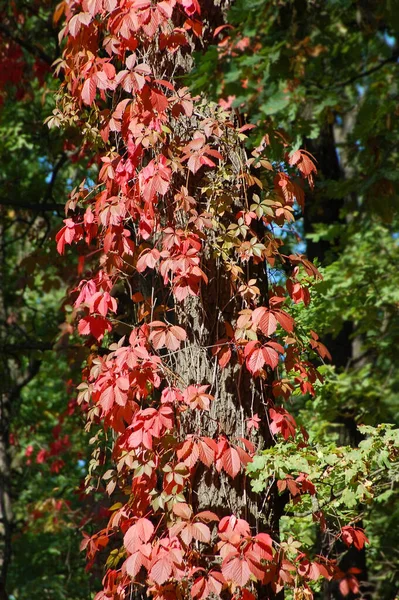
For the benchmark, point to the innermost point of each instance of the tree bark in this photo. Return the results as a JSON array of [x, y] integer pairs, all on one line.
[[237, 396]]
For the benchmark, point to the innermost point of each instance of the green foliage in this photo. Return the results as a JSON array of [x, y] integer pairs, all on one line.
[[360, 287], [343, 476], [47, 449], [325, 75], [49, 467], [304, 68]]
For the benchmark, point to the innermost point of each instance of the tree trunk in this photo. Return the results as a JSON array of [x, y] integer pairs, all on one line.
[[346, 346], [237, 396], [13, 377], [5, 467], [5, 493]]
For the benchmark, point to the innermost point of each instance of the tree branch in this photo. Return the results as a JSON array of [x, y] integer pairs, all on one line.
[[382, 63], [56, 169], [28, 345], [40, 208], [32, 48], [44, 206]]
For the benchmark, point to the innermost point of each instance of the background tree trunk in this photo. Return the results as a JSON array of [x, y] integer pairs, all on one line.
[[5, 409], [345, 348]]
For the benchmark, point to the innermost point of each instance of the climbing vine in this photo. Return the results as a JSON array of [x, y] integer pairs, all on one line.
[[185, 231]]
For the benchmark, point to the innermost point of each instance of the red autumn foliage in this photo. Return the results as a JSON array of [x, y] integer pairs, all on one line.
[[154, 218]]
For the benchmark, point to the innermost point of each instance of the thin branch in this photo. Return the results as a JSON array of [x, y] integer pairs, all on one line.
[[40, 208], [28, 345], [56, 169], [34, 49], [382, 63], [24, 379]]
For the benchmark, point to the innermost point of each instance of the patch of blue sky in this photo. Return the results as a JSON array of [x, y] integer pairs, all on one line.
[[390, 40]]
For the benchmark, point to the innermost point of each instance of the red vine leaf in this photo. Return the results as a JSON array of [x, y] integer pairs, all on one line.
[[169, 336], [354, 535], [201, 532], [265, 320], [285, 320], [133, 564], [235, 569], [139, 533], [161, 570], [183, 510]]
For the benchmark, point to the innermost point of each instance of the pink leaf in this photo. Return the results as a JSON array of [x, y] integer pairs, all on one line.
[[161, 570], [89, 91], [255, 361], [201, 532], [133, 564], [270, 356], [236, 570], [265, 320], [183, 510], [231, 461]]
